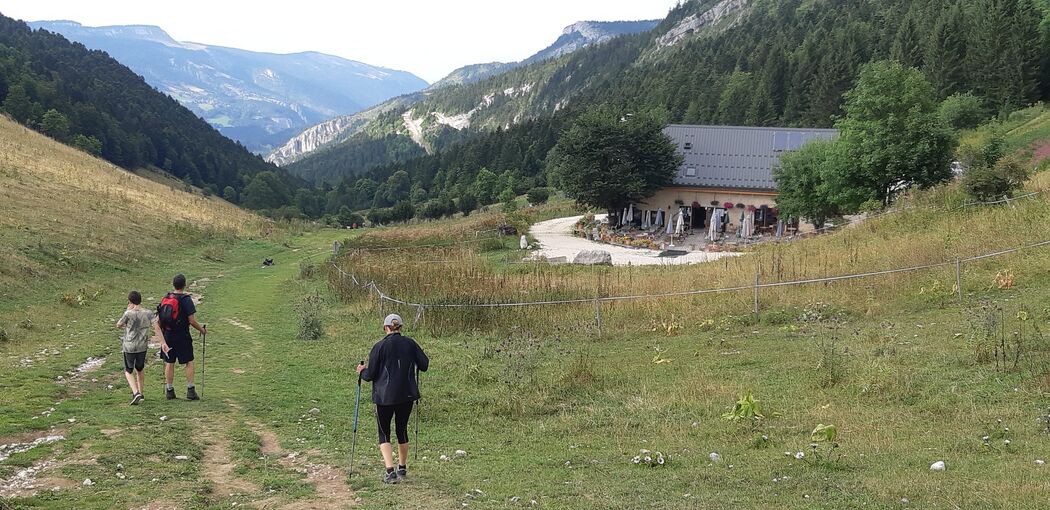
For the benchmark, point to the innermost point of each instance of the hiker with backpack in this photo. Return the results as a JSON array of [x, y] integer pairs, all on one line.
[[175, 314], [393, 367]]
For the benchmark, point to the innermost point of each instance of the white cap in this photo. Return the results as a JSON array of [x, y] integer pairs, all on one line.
[[393, 320]]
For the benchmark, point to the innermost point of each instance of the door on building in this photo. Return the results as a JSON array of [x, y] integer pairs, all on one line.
[[699, 216]]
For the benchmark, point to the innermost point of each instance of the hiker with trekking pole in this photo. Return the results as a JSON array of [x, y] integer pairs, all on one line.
[[393, 369], [176, 313]]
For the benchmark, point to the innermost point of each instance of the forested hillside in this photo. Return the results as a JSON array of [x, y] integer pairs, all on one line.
[[88, 100], [758, 62]]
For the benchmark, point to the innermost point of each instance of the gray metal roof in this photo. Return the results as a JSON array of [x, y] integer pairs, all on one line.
[[731, 157]]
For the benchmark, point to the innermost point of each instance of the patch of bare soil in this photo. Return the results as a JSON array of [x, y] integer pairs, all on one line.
[[1041, 152], [219, 468], [161, 505], [239, 324], [329, 481], [42, 476]]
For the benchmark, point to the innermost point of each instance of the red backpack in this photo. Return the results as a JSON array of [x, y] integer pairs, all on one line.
[[168, 312]]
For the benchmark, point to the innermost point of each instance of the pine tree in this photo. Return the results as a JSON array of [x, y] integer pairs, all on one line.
[[945, 60]]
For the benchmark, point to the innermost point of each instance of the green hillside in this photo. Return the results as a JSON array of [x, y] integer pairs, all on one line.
[[89, 100], [738, 62]]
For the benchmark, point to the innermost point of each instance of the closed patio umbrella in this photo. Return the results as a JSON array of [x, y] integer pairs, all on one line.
[[670, 224], [680, 228], [630, 214]]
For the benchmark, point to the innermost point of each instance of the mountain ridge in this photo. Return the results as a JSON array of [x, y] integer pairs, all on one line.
[[574, 37], [257, 98]]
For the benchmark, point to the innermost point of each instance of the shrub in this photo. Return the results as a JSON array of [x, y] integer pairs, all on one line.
[[539, 196], [467, 203], [311, 326], [3, 335], [989, 183], [434, 209], [962, 111], [348, 218]]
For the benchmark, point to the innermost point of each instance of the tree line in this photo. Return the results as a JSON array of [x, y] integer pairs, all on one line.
[[788, 63], [87, 99]]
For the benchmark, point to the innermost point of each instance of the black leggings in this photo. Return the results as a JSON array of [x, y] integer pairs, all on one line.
[[400, 414]]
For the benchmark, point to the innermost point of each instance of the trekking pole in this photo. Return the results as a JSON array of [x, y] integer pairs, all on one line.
[[357, 406], [419, 410], [204, 352]]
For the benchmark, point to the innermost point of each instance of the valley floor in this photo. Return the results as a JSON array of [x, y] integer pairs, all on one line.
[[551, 418]]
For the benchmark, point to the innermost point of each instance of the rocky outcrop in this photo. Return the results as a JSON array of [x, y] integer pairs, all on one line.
[[694, 22]]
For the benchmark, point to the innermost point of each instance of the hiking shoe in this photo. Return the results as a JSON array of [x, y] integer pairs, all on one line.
[[191, 394], [391, 478], [170, 394], [402, 472], [136, 399]]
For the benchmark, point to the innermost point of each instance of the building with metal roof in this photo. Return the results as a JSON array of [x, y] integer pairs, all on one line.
[[735, 158], [726, 173]]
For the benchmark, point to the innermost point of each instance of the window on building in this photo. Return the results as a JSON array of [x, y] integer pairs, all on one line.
[[690, 171], [688, 146]]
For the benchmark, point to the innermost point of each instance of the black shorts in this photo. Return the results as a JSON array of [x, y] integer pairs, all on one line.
[[400, 414], [181, 352], [134, 361]]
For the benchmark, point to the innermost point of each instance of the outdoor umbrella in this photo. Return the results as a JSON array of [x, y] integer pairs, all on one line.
[[670, 225], [680, 228], [712, 227], [630, 214]]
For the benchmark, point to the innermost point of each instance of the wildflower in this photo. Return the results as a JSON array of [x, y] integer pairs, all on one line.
[[636, 459], [800, 455]]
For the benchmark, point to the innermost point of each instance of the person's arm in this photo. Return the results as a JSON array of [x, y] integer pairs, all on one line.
[[123, 321], [368, 372], [422, 361], [193, 322], [160, 334]]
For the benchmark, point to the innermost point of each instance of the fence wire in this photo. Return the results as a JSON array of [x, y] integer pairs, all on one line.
[[373, 287]]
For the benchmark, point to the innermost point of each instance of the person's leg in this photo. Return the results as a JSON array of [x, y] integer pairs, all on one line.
[[401, 417], [189, 374], [129, 367], [169, 373], [383, 416], [133, 382], [142, 380]]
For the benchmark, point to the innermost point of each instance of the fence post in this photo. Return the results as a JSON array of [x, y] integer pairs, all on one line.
[[598, 316], [756, 295], [958, 278]]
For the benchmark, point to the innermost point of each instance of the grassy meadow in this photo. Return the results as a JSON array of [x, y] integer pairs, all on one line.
[[548, 410]]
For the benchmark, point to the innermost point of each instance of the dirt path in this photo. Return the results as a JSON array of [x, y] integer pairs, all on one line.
[[219, 466], [330, 482], [556, 240]]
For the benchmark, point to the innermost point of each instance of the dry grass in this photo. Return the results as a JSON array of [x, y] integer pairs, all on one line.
[[61, 210], [929, 228]]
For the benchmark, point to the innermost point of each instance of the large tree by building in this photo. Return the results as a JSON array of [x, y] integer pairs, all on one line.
[[801, 181], [892, 135], [609, 159]]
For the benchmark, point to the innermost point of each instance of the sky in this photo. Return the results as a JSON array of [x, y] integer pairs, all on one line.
[[427, 37]]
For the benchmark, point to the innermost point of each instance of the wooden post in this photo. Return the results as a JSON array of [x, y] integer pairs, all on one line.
[[958, 278], [756, 295]]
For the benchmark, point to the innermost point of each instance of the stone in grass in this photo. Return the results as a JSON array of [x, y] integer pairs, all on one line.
[[1039, 462], [938, 466], [461, 453], [88, 482], [163, 418], [181, 457], [593, 258], [714, 457]]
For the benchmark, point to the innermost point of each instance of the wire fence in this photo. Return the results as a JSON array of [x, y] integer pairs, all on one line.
[[422, 307]]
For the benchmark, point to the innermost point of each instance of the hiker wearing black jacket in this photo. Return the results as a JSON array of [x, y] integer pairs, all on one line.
[[392, 368]]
